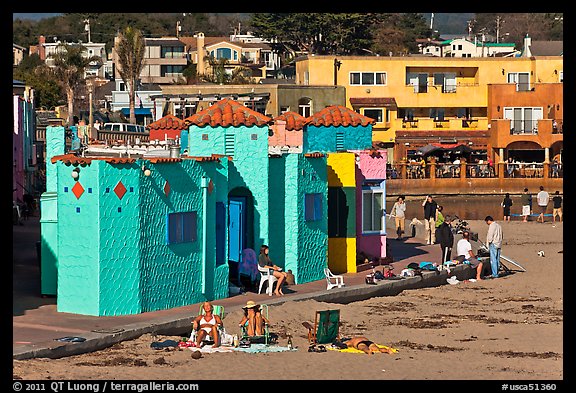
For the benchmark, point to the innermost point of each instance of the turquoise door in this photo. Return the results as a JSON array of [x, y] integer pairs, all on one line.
[[236, 230]]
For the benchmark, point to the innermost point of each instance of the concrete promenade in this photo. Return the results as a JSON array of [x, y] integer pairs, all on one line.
[[37, 323]]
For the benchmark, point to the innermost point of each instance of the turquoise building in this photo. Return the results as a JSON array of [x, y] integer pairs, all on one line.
[[125, 235]]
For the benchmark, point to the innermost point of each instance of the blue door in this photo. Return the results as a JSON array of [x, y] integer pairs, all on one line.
[[236, 228]]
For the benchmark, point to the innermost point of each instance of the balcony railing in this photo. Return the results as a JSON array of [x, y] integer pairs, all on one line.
[[465, 170], [518, 127]]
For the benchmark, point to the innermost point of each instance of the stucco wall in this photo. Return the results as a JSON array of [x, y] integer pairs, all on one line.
[[323, 138], [312, 235], [117, 261]]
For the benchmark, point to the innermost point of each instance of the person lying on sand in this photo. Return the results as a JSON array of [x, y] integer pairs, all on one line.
[[363, 344]]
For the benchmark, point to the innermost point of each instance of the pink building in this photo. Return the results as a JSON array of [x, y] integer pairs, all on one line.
[[371, 202]]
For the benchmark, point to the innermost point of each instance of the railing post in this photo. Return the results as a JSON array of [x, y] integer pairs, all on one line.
[[433, 168], [463, 169], [501, 169], [546, 170], [403, 170]]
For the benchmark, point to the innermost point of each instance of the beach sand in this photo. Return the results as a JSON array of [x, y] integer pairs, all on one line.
[[510, 328]]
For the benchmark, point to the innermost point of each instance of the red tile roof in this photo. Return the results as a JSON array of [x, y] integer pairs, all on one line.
[[294, 121], [228, 112], [168, 122], [338, 115]]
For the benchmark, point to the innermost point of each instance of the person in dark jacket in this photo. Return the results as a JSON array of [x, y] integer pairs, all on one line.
[[430, 215], [445, 238]]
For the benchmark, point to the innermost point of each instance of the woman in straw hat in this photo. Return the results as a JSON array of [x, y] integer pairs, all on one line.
[[253, 319]]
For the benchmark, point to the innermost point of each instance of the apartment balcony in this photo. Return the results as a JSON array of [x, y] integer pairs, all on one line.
[[448, 124], [543, 132], [429, 95]]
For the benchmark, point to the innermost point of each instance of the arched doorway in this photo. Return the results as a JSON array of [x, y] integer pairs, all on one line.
[[524, 151]]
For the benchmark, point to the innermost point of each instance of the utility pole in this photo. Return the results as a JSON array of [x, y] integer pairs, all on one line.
[[498, 19], [87, 28], [431, 20]]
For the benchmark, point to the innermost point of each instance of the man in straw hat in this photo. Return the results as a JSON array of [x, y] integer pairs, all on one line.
[[253, 318]]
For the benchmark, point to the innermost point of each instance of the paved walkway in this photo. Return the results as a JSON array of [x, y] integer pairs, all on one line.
[[37, 323]]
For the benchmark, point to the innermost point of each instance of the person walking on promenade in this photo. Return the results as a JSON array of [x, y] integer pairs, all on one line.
[[445, 238], [542, 198], [506, 204], [430, 209], [439, 216], [557, 201], [494, 241], [526, 200], [399, 214]]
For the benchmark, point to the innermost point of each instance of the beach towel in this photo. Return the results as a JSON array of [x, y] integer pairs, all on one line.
[[259, 348], [253, 348], [211, 349], [354, 350]]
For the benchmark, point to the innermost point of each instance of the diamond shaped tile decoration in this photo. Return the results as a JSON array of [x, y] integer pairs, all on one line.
[[166, 188], [78, 190], [120, 190]]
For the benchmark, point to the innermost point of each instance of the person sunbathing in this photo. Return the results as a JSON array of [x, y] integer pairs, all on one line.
[[363, 344], [253, 319]]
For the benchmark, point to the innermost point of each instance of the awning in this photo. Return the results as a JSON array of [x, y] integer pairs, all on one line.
[[137, 112], [456, 148]]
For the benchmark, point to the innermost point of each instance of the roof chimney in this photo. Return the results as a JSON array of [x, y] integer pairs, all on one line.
[[200, 51], [527, 44]]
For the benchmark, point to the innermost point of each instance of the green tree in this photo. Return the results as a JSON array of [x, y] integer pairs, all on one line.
[[70, 64], [130, 53], [47, 93]]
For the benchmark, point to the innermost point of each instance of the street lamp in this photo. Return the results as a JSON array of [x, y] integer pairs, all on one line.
[[90, 85]]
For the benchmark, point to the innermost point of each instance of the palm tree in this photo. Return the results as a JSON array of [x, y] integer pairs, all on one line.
[[130, 48], [69, 66]]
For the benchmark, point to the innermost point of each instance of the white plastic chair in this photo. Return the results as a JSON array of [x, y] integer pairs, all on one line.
[[265, 276], [333, 280]]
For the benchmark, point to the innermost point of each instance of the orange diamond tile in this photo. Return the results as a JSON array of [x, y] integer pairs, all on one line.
[[120, 190], [78, 190]]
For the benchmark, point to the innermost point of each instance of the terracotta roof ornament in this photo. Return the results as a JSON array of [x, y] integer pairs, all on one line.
[[226, 113]]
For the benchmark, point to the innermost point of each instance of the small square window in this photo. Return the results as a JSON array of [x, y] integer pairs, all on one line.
[[254, 137], [119, 210], [65, 189], [131, 189], [89, 190], [204, 137], [77, 210], [107, 189], [312, 207]]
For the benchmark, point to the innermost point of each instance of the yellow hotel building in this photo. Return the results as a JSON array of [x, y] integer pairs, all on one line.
[[418, 100]]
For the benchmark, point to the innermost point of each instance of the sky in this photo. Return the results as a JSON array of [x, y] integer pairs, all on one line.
[[33, 16]]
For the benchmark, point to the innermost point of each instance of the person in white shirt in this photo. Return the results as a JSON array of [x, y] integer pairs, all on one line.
[[494, 241], [464, 251], [542, 198], [399, 214]]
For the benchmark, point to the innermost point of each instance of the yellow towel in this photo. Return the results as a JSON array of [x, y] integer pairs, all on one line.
[[354, 350]]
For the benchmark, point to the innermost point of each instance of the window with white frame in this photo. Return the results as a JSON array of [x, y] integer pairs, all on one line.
[[305, 107], [523, 120], [521, 79], [373, 213], [367, 78]]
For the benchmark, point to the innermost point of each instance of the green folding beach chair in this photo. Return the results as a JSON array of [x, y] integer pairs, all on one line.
[[326, 327]]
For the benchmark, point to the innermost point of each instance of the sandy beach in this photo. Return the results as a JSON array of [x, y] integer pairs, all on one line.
[[510, 328]]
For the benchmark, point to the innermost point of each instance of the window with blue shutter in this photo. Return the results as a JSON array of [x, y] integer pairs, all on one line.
[[182, 227], [312, 207]]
